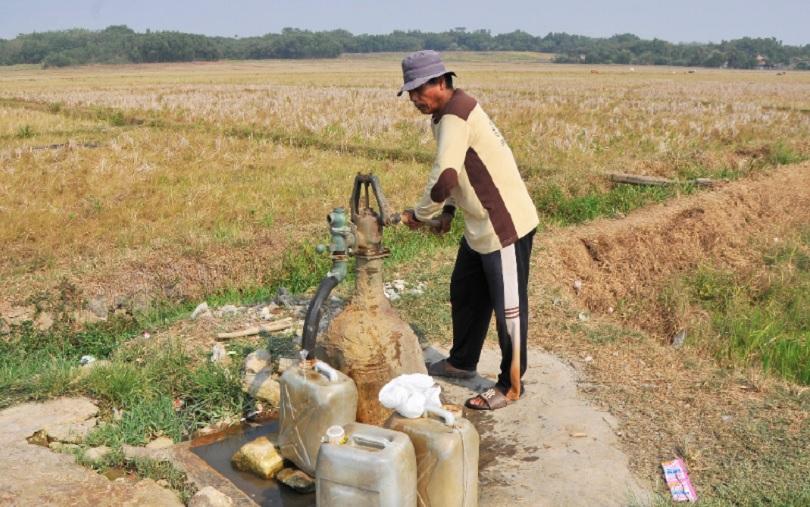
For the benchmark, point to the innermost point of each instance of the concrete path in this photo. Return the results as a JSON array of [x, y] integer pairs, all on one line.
[[35, 475], [549, 449]]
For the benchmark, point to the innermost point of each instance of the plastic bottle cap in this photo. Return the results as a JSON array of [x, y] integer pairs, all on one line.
[[336, 435]]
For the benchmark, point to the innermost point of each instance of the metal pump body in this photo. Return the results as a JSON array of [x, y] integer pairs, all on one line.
[[367, 340]]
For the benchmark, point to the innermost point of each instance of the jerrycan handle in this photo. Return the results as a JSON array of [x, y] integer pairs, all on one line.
[[326, 371], [449, 418], [370, 441]]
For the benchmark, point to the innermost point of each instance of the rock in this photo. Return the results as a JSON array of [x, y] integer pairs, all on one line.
[[284, 298], [582, 316], [96, 455], [262, 386], [132, 453], [257, 361], [285, 363], [202, 311], [297, 480], [148, 492], [577, 285], [160, 443], [227, 311], [259, 457], [218, 353], [86, 360], [43, 322], [98, 307], [73, 433], [679, 339], [265, 313], [163, 483], [210, 497]]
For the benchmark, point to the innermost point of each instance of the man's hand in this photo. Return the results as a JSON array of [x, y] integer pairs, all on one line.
[[443, 223], [408, 218]]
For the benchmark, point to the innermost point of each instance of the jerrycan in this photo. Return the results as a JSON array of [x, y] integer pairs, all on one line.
[[314, 396], [446, 447], [375, 467]]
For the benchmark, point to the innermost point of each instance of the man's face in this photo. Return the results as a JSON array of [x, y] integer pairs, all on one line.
[[428, 98]]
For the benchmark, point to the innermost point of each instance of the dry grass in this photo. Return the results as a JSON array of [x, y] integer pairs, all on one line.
[[197, 174]]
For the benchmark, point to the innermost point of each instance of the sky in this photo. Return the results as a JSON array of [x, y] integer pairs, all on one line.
[[672, 20]]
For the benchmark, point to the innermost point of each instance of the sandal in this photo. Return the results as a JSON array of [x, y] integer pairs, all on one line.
[[445, 369], [491, 399]]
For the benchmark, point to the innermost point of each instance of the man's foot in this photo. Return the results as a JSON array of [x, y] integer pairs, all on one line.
[[491, 399], [444, 369]]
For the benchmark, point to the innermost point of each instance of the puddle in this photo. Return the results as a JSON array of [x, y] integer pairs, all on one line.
[[217, 452]]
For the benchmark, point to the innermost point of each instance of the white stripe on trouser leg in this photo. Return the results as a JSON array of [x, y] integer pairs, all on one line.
[[511, 305]]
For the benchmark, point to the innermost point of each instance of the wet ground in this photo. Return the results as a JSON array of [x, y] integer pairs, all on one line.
[[264, 492]]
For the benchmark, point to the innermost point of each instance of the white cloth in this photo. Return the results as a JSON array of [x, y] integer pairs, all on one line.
[[411, 394]]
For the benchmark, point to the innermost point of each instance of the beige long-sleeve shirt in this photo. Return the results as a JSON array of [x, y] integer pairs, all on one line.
[[476, 172]]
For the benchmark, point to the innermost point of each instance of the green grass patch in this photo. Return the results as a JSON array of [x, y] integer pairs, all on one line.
[[762, 319], [556, 206]]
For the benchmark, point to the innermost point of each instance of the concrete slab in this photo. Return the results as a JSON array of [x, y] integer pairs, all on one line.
[[549, 449]]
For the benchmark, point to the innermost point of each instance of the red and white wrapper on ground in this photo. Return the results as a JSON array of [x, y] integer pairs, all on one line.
[[678, 481]]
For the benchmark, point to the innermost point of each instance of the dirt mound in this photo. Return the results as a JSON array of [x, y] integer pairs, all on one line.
[[623, 264]]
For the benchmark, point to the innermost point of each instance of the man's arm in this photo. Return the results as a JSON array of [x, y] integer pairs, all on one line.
[[453, 142]]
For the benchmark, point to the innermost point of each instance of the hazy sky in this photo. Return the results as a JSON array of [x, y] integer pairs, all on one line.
[[673, 20]]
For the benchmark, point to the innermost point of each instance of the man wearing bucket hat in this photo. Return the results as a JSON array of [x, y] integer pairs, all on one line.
[[475, 171]]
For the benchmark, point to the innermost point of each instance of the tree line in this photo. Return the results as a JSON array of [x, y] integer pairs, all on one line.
[[121, 44]]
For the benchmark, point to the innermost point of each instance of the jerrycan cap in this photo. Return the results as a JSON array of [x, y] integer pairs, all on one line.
[[335, 435]]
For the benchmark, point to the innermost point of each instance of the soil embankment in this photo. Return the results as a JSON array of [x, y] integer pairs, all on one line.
[[622, 264]]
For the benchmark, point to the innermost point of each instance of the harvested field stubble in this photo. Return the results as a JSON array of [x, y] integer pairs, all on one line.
[[197, 176]]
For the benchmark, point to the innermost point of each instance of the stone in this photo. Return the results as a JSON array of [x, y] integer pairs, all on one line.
[[163, 483], [98, 307], [262, 386], [227, 311], [297, 480], [257, 361], [72, 433], [259, 457], [218, 353], [96, 455], [133, 453], [679, 339], [43, 322], [34, 475], [209, 496], [202, 311], [160, 443]]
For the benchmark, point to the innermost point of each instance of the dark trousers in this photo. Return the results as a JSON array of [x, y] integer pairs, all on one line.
[[480, 284]]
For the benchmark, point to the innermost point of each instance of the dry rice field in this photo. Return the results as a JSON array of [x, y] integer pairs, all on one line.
[[176, 180]]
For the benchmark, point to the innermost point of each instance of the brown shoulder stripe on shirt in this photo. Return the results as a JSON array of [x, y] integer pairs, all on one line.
[[460, 104], [490, 198], [441, 190]]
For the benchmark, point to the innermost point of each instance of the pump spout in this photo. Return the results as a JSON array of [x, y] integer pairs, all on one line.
[[312, 320]]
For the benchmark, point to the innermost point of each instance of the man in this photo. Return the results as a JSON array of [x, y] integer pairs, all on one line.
[[475, 171]]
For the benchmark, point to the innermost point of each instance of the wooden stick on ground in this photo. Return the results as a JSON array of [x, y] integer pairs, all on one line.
[[279, 325]]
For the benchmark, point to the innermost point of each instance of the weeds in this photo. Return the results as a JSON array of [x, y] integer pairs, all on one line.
[[761, 319], [25, 132]]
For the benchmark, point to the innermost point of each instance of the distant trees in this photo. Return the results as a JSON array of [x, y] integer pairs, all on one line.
[[121, 44]]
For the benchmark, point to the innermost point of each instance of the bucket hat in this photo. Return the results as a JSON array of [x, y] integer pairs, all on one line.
[[420, 67]]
